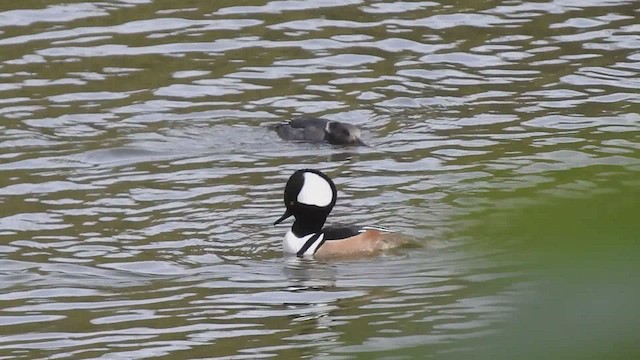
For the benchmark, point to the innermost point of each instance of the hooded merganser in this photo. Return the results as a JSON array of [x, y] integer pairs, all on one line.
[[314, 129], [309, 196]]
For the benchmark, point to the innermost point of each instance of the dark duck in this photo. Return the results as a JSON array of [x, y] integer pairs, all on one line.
[[313, 129]]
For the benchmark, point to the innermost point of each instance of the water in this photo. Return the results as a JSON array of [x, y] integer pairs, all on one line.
[[139, 181]]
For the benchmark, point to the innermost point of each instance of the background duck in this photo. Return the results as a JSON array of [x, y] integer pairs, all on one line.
[[313, 129]]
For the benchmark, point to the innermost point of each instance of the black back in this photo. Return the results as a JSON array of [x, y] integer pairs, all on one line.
[[340, 232], [308, 121]]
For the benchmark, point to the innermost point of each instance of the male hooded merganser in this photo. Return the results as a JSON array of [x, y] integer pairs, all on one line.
[[309, 196], [314, 129]]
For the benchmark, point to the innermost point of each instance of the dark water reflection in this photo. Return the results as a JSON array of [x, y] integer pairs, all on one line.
[[138, 179]]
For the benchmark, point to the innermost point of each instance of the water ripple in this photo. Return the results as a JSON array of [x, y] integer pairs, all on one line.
[[140, 179]]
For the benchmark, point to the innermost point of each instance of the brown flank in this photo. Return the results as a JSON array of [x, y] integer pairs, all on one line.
[[369, 242]]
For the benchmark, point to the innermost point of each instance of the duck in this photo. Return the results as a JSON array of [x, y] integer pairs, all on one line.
[[314, 129], [309, 196]]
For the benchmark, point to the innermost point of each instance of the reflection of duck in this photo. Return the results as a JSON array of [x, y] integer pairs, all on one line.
[[306, 276], [309, 196], [317, 130]]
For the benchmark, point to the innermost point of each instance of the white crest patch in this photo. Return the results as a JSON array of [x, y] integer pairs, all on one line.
[[315, 191]]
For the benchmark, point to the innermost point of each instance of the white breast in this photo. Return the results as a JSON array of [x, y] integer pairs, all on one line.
[[292, 244]]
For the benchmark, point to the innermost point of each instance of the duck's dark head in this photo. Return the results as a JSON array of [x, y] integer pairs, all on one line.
[[309, 196], [339, 133]]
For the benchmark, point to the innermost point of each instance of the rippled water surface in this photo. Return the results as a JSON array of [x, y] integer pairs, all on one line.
[[139, 179]]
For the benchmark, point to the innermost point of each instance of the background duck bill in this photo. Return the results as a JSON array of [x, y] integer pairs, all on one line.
[[361, 143]]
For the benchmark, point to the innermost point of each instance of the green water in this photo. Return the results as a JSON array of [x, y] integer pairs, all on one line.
[[139, 179]]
